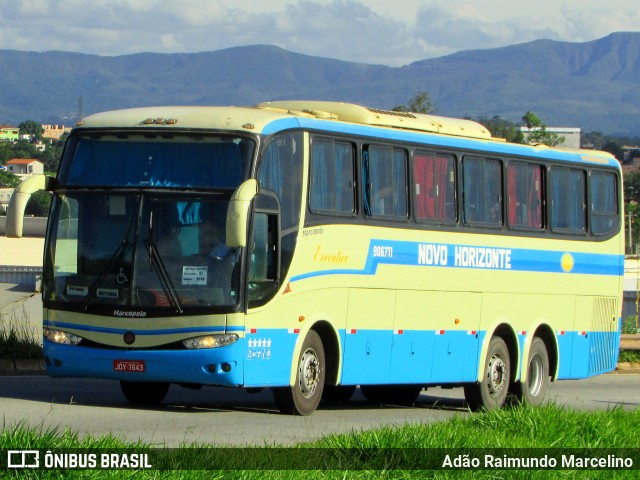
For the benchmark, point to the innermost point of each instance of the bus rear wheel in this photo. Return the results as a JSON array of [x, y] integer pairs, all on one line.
[[391, 394], [304, 396], [534, 390], [491, 392], [144, 393]]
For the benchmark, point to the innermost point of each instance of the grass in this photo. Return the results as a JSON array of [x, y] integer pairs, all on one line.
[[18, 342], [404, 452]]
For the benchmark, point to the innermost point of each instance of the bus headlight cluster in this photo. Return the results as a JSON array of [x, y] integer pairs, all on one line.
[[59, 336], [210, 341]]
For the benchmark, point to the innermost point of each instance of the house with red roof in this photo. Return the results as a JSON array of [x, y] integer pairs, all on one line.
[[24, 166]]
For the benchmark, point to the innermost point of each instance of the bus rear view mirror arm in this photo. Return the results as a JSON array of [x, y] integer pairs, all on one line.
[[19, 200], [239, 212]]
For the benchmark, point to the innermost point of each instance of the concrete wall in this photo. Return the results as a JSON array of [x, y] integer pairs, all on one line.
[[33, 226]]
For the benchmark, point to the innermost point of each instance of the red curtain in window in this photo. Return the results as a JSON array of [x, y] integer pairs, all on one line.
[[535, 201], [442, 174], [423, 177]]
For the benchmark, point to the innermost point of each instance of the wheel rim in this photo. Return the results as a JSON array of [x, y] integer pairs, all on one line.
[[309, 373], [534, 381], [497, 373]]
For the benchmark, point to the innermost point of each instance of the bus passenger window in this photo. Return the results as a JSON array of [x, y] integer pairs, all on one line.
[[524, 196], [482, 187], [435, 187], [385, 182], [604, 203], [568, 206], [332, 186]]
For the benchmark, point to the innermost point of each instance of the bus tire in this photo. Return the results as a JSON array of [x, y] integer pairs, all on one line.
[[338, 393], [534, 390], [144, 393], [491, 392], [305, 394], [391, 394]]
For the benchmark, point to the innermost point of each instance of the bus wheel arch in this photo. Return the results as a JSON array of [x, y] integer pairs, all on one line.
[[331, 346]]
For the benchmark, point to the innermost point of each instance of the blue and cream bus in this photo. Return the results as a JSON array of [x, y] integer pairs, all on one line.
[[316, 247]]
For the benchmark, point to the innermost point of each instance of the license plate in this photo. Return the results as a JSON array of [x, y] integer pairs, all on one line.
[[129, 366]]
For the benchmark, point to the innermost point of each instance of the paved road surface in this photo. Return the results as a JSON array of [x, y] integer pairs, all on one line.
[[234, 417]]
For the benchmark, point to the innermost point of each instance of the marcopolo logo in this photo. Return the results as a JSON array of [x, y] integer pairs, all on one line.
[[120, 313]]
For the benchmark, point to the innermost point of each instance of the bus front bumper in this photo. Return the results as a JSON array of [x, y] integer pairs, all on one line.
[[221, 366]]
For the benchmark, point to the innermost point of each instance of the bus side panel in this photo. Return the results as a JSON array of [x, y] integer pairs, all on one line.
[[596, 342], [272, 335], [367, 349], [435, 337]]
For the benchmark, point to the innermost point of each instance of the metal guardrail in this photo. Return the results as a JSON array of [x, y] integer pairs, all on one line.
[[28, 277], [630, 341]]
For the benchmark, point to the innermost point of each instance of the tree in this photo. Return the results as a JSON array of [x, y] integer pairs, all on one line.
[[421, 103], [33, 129], [501, 128], [614, 149], [538, 132], [38, 204], [8, 179]]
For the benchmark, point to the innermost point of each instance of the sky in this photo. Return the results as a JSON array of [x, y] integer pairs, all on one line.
[[387, 32]]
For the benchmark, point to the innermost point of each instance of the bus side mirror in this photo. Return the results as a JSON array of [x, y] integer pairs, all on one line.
[[19, 199], [238, 213]]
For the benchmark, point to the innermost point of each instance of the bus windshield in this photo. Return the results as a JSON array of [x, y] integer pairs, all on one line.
[[124, 231], [154, 160]]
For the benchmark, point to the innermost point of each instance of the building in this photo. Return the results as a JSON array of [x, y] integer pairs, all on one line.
[[24, 166], [9, 134], [53, 132], [571, 135], [5, 196]]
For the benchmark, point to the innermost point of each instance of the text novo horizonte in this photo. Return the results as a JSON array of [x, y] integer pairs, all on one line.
[[464, 256]]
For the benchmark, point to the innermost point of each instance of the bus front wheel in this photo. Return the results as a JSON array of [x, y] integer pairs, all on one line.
[[534, 390], [304, 396], [144, 393], [338, 393], [491, 392]]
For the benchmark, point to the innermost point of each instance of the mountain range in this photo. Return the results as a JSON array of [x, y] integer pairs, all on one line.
[[592, 85]]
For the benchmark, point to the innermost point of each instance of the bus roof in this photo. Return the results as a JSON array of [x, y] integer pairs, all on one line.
[[335, 117], [242, 117], [348, 112]]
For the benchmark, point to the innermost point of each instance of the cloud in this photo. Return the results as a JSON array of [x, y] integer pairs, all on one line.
[[378, 31], [462, 26], [347, 30]]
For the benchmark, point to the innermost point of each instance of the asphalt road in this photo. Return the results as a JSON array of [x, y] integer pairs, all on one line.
[[235, 417]]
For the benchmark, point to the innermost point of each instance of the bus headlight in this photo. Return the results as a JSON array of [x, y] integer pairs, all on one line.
[[59, 336], [210, 341]]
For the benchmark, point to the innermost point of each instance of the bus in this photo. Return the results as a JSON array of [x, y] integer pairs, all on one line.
[[313, 248]]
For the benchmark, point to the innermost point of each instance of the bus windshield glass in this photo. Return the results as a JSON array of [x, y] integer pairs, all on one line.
[[146, 251], [155, 160]]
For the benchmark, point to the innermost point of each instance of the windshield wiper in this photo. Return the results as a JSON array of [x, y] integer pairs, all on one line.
[[119, 253], [161, 269]]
